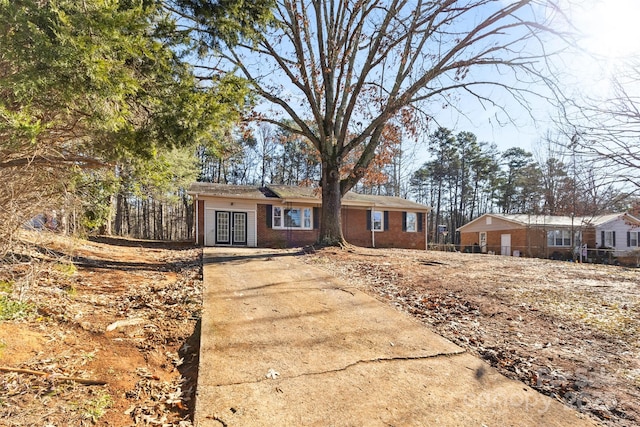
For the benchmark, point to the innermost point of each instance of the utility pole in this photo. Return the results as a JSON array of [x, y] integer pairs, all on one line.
[[574, 244]]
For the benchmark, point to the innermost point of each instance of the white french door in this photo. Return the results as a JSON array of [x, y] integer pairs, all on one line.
[[239, 228], [231, 228]]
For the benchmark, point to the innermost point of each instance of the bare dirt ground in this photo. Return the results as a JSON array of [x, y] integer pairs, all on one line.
[[126, 313], [569, 330], [119, 312]]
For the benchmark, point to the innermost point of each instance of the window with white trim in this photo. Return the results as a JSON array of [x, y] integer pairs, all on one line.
[[634, 238], [377, 220], [277, 217], [294, 217], [411, 224], [559, 238], [609, 239], [306, 218]]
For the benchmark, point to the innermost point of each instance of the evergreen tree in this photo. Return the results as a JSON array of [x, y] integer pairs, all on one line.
[[89, 85], [517, 184]]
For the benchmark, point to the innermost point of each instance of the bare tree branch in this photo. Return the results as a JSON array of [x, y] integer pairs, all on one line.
[[606, 131], [352, 66]]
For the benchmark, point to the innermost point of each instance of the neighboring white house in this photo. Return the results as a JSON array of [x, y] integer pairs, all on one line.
[[559, 237], [620, 232]]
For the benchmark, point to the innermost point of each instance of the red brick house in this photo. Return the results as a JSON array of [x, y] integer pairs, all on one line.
[[544, 236], [285, 216]]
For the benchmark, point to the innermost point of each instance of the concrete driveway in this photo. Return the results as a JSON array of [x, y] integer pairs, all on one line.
[[284, 344]]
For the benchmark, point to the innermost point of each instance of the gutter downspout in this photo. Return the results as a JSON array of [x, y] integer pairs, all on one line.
[[288, 230], [373, 231], [426, 232], [196, 213]]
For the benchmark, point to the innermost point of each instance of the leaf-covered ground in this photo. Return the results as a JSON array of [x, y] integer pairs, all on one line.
[[571, 331], [121, 312], [126, 312]]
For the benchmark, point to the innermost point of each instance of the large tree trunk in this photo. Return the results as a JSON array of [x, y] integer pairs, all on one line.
[[331, 223]]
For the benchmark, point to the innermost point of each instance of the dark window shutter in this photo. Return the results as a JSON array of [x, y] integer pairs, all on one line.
[[386, 220], [628, 238], [316, 218], [602, 239], [613, 238], [404, 221], [269, 216], [420, 215], [368, 219]]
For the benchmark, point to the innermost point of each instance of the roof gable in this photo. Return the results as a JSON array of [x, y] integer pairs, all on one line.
[[487, 221], [606, 219]]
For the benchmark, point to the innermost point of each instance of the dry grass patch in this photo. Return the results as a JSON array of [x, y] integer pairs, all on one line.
[[569, 330]]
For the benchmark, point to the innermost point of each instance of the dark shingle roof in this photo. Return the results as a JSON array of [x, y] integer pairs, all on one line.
[[291, 192], [381, 201], [301, 194], [224, 190]]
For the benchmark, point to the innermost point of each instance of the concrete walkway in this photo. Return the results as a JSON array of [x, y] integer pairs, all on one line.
[[284, 344]]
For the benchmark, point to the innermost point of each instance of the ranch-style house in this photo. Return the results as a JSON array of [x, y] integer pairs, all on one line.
[[286, 216]]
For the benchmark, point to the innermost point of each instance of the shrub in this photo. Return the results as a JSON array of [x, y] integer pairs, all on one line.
[[12, 310]]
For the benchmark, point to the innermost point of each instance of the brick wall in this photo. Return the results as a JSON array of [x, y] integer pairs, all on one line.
[[467, 240], [589, 237], [278, 238], [519, 241], [530, 243], [354, 225]]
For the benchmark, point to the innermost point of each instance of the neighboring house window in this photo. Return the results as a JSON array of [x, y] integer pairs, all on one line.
[[633, 238], [559, 238], [292, 218], [609, 240], [411, 222]]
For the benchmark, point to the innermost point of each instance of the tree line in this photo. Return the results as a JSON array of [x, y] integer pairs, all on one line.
[[466, 178], [463, 178], [109, 109], [98, 107]]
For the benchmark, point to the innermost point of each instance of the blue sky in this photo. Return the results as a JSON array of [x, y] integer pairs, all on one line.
[[608, 34], [609, 29]]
